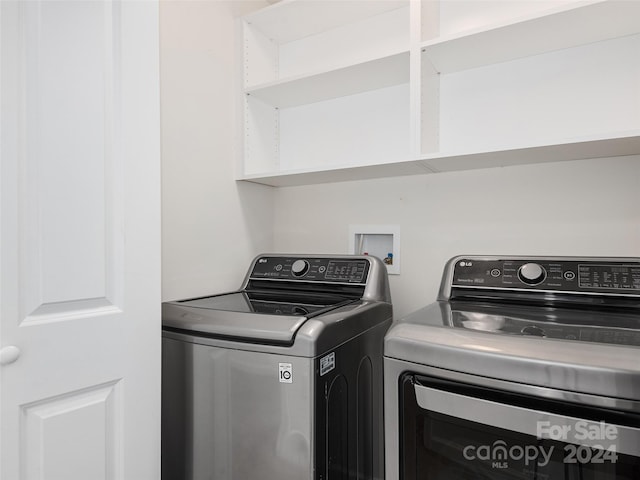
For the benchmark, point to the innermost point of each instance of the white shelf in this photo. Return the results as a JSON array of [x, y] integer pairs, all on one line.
[[347, 90], [291, 178], [362, 77], [564, 27], [614, 145], [291, 20]]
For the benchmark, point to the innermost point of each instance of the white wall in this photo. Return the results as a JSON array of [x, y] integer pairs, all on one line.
[[212, 226], [573, 208]]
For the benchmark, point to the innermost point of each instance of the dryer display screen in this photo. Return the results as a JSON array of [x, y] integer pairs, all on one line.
[[625, 277]]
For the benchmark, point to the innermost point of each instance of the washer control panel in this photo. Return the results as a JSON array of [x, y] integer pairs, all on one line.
[[310, 269], [619, 277]]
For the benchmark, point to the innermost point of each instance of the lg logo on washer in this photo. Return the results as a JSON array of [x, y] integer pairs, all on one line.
[[285, 373]]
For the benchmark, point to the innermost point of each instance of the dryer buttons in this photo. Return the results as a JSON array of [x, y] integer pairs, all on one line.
[[532, 274]]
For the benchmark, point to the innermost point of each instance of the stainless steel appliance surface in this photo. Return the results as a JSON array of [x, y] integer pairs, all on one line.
[[282, 379], [524, 368]]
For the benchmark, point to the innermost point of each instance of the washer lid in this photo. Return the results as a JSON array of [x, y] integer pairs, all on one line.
[[257, 317]]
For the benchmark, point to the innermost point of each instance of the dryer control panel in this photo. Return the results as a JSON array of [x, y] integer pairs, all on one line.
[[312, 269], [583, 275]]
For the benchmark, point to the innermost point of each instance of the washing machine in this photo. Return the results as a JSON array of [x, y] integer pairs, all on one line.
[[281, 379], [524, 368]]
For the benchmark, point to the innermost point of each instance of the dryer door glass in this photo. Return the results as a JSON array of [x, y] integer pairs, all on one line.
[[452, 431]]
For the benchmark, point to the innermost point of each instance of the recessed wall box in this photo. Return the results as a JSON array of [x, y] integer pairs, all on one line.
[[382, 241]]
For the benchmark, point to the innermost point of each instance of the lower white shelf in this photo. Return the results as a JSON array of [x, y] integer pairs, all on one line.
[[622, 144], [291, 178]]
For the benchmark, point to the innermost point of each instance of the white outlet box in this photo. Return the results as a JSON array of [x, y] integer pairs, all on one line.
[[379, 241]]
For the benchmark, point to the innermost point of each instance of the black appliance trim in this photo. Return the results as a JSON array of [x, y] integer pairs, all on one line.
[[556, 299], [290, 287]]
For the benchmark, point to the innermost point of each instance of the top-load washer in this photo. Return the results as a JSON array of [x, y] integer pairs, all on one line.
[[524, 368], [282, 379]]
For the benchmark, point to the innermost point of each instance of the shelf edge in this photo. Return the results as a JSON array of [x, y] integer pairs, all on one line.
[[624, 144]]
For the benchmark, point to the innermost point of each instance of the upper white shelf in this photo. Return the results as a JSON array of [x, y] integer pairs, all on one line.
[[556, 29], [291, 20], [362, 77], [614, 145]]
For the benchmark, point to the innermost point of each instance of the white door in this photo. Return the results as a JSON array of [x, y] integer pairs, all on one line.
[[80, 240]]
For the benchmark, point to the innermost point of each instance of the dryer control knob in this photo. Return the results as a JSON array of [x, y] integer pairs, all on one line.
[[532, 273], [299, 268]]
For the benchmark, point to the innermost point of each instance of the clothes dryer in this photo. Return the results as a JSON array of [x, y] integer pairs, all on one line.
[[525, 368]]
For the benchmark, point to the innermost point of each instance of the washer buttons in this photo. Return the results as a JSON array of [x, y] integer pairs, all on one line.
[[569, 275], [299, 268], [495, 272], [278, 267], [322, 269]]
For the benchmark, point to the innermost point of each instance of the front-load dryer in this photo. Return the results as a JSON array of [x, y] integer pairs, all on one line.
[[524, 368]]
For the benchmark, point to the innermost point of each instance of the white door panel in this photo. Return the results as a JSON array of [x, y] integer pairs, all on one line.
[[69, 211], [80, 429], [80, 240]]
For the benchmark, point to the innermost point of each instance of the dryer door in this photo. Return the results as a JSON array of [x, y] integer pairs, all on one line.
[[453, 431]]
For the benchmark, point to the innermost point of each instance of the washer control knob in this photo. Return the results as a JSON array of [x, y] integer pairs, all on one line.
[[532, 273], [299, 268]]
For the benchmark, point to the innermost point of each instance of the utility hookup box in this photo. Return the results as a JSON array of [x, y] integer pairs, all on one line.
[[382, 241]]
